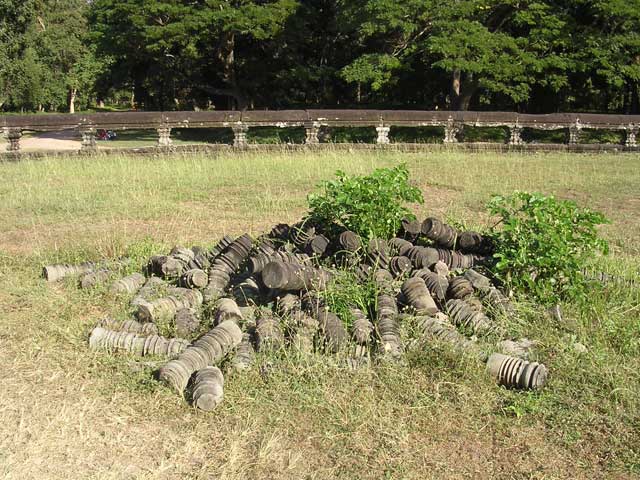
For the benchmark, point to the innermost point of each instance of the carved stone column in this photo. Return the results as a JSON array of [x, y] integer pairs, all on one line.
[[312, 131], [13, 135], [164, 136], [451, 131], [574, 133], [515, 135], [240, 135], [88, 139], [383, 135], [632, 136]]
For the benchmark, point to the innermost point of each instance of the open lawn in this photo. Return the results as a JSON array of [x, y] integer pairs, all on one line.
[[70, 413]]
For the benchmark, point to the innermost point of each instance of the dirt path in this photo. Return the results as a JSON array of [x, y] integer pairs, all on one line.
[[64, 140]]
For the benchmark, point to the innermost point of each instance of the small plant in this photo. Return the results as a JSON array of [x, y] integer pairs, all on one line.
[[372, 205], [542, 245]]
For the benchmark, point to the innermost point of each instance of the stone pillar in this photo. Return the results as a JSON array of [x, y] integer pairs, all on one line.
[[240, 135], [88, 139], [312, 132], [632, 135], [164, 136], [451, 131], [13, 135], [515, 137], [574, 133], [383, 135]]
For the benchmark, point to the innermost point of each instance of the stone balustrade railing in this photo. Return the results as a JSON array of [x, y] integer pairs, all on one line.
[[313, 120]]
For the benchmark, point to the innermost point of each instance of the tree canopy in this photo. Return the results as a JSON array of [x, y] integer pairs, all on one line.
[[526, 55]]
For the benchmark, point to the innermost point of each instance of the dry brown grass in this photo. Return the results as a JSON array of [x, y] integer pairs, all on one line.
[[69, 413]]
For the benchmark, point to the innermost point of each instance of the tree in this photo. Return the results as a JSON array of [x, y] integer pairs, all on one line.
[[499, 47]]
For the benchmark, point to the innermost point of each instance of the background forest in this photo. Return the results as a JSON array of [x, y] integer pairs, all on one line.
[[533, 56]]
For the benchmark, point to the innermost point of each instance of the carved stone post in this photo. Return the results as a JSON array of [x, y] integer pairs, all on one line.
[[383, 135], [88, 139], [515, 137], [632, 135], [240, 135], [164, 136], [451, 131], [574, 133], [312, 131], [13, 135]]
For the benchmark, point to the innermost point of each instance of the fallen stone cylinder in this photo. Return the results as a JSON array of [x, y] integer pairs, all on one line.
[[165, 308], [269, 335], [218, 282], [247, 292], [193, 278], [244, 355], [417, 295], [53, 273], [131, 326], [439, 328], [288, 304], [473, 242], [148, 291], [165, 266], [436, 284], [234, 255], [219, 247], [460, 288], [411, 228], [258, 262], [93, 279], [332, 328], [187, 322], [442, 234], [227, 309], [208, 350], [208, 388], [464, 315], [361, 328], [317, 246], [514, 372], [129, 284], [103, 339], [400, 246], [290, 277], [399, 266], [349, 241], [388, 327], [422, 257]]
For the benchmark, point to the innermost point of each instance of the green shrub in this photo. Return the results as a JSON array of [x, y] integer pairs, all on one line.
[[372, 206], [543, 244]]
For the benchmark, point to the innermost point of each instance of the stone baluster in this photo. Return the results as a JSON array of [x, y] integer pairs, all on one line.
[[632, 135], [164, 136], [515, 135], [88, 139], [574, 133], [240, 135], [383, 135], [451, 131], [312, 130], [13, 135]]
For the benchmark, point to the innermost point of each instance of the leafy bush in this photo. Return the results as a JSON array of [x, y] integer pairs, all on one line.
[[542, 244], [372, 206]]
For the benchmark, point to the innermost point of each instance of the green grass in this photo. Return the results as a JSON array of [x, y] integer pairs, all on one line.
[[71, 413]]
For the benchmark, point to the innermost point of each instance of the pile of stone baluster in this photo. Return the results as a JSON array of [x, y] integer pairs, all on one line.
[[250, 295]]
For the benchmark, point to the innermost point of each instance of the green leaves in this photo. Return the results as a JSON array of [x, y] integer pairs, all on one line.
[[542, 244], [372, 206]]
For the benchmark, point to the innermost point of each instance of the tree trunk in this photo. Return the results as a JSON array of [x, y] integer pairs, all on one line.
[[462, 91], [227, 56], [72, 100]]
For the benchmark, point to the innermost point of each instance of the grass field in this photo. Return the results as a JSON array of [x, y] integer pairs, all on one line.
[[69, 413]]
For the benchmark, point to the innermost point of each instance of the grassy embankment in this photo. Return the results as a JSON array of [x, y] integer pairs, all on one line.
[[70, 413]]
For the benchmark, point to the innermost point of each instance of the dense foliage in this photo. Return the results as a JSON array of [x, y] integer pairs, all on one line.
[[543, 245], [373, 206], [530, 55]]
